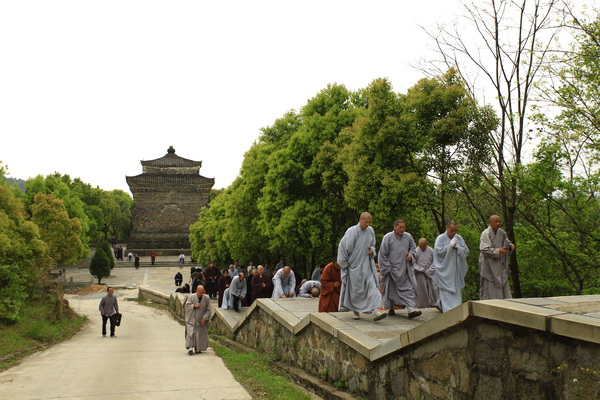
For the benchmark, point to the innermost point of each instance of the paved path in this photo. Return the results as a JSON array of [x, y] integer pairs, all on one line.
[[146, 360]]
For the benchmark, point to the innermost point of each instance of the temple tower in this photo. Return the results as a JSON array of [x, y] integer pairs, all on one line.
[[167, 198]]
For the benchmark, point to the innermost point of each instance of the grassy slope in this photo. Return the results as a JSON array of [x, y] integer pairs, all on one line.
[[36, 329]]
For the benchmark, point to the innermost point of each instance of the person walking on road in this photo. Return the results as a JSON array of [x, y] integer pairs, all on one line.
[[197, 319], [109, 307]]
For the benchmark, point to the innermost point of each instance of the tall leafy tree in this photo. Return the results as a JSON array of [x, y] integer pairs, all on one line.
[[61, 233], [23, 255]]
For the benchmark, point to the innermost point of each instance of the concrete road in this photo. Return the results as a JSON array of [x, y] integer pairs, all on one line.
[[146, 360]]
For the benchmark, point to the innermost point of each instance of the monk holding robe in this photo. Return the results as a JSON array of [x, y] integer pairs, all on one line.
[[197, 319], [331, 282], [261, 284]]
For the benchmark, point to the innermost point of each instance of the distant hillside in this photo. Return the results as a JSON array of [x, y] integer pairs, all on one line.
[[19, 182]]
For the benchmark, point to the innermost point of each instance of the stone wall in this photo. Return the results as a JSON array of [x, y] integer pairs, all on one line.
[[475, 359]]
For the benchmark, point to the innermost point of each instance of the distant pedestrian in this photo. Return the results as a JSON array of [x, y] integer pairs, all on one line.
[[152, 257], [178, 279], [130, 256], [197, 279], [181, 260], [137, 261], [211, 276], [109, 307]]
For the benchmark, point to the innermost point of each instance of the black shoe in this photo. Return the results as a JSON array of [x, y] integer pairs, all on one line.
[[413, 314], [392, 312], [191, 352]]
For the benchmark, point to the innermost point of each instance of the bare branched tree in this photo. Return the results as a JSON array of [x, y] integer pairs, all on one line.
[[506, 42]]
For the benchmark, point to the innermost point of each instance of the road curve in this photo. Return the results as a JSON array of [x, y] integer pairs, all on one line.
[[146, 360]]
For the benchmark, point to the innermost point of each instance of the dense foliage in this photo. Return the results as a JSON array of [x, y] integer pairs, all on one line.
[[426, 156], [50, 227]]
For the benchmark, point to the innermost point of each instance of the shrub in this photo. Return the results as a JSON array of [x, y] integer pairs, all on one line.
[[105, 247], [12, 292], [100, 265]]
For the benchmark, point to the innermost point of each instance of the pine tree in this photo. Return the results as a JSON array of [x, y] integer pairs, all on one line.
[[100, 265]]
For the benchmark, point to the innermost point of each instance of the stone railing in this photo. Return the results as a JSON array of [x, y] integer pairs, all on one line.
[[495, 349]]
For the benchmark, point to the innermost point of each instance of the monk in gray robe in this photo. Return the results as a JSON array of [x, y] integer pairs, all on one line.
[[426, 295], [284, 283], [237, 292], [450, 261], [306, 290], [360, 283], [197, 320], [494, 249], [397, 276]]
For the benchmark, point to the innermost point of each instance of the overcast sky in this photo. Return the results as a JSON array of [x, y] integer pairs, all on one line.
[[89, 89]]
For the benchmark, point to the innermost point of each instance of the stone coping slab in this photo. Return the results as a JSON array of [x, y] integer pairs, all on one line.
[[576, 326], [514, 313], [572, 316]]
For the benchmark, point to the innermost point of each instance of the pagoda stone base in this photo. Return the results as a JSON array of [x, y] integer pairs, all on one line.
[[162, 243]]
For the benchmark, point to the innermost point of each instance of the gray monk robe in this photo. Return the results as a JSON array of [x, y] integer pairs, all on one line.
[[450, 270], [426, 295], [196, 334], [397, 275], [493, 266], [360, 285], [237, 288], [283, 284]]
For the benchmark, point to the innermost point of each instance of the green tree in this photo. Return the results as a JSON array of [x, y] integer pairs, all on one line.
[[23, 256], [13, 292], [105, 247], [454, 134], [61, 233], [100, 265], [379, 157]]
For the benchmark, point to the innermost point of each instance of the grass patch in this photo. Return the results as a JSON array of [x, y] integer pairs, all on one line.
[[36, 329], [253, 370]]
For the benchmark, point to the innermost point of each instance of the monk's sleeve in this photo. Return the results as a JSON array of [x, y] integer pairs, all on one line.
[[277, 283], [345, 248], [327, 284], [486, 247], [244, 289], [373, 241], [384, 263], [292, 281], [256, 284], [412, 247], [208, 311], [461, 249]]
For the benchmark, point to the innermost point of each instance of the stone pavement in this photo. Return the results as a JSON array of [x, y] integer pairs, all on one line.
[[146, 360]]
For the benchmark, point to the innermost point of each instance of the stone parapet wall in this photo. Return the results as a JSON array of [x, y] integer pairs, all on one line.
[[481, 350]]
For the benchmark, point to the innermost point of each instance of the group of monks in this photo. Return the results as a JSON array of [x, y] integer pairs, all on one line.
[[407, 276]]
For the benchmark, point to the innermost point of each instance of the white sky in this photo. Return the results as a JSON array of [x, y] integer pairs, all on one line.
[[90, 88]]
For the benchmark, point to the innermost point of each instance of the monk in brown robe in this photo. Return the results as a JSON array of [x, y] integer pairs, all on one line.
[[331, 282], [261, 284]]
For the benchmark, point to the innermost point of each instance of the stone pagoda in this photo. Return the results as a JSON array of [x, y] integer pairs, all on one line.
[[167, 198]]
